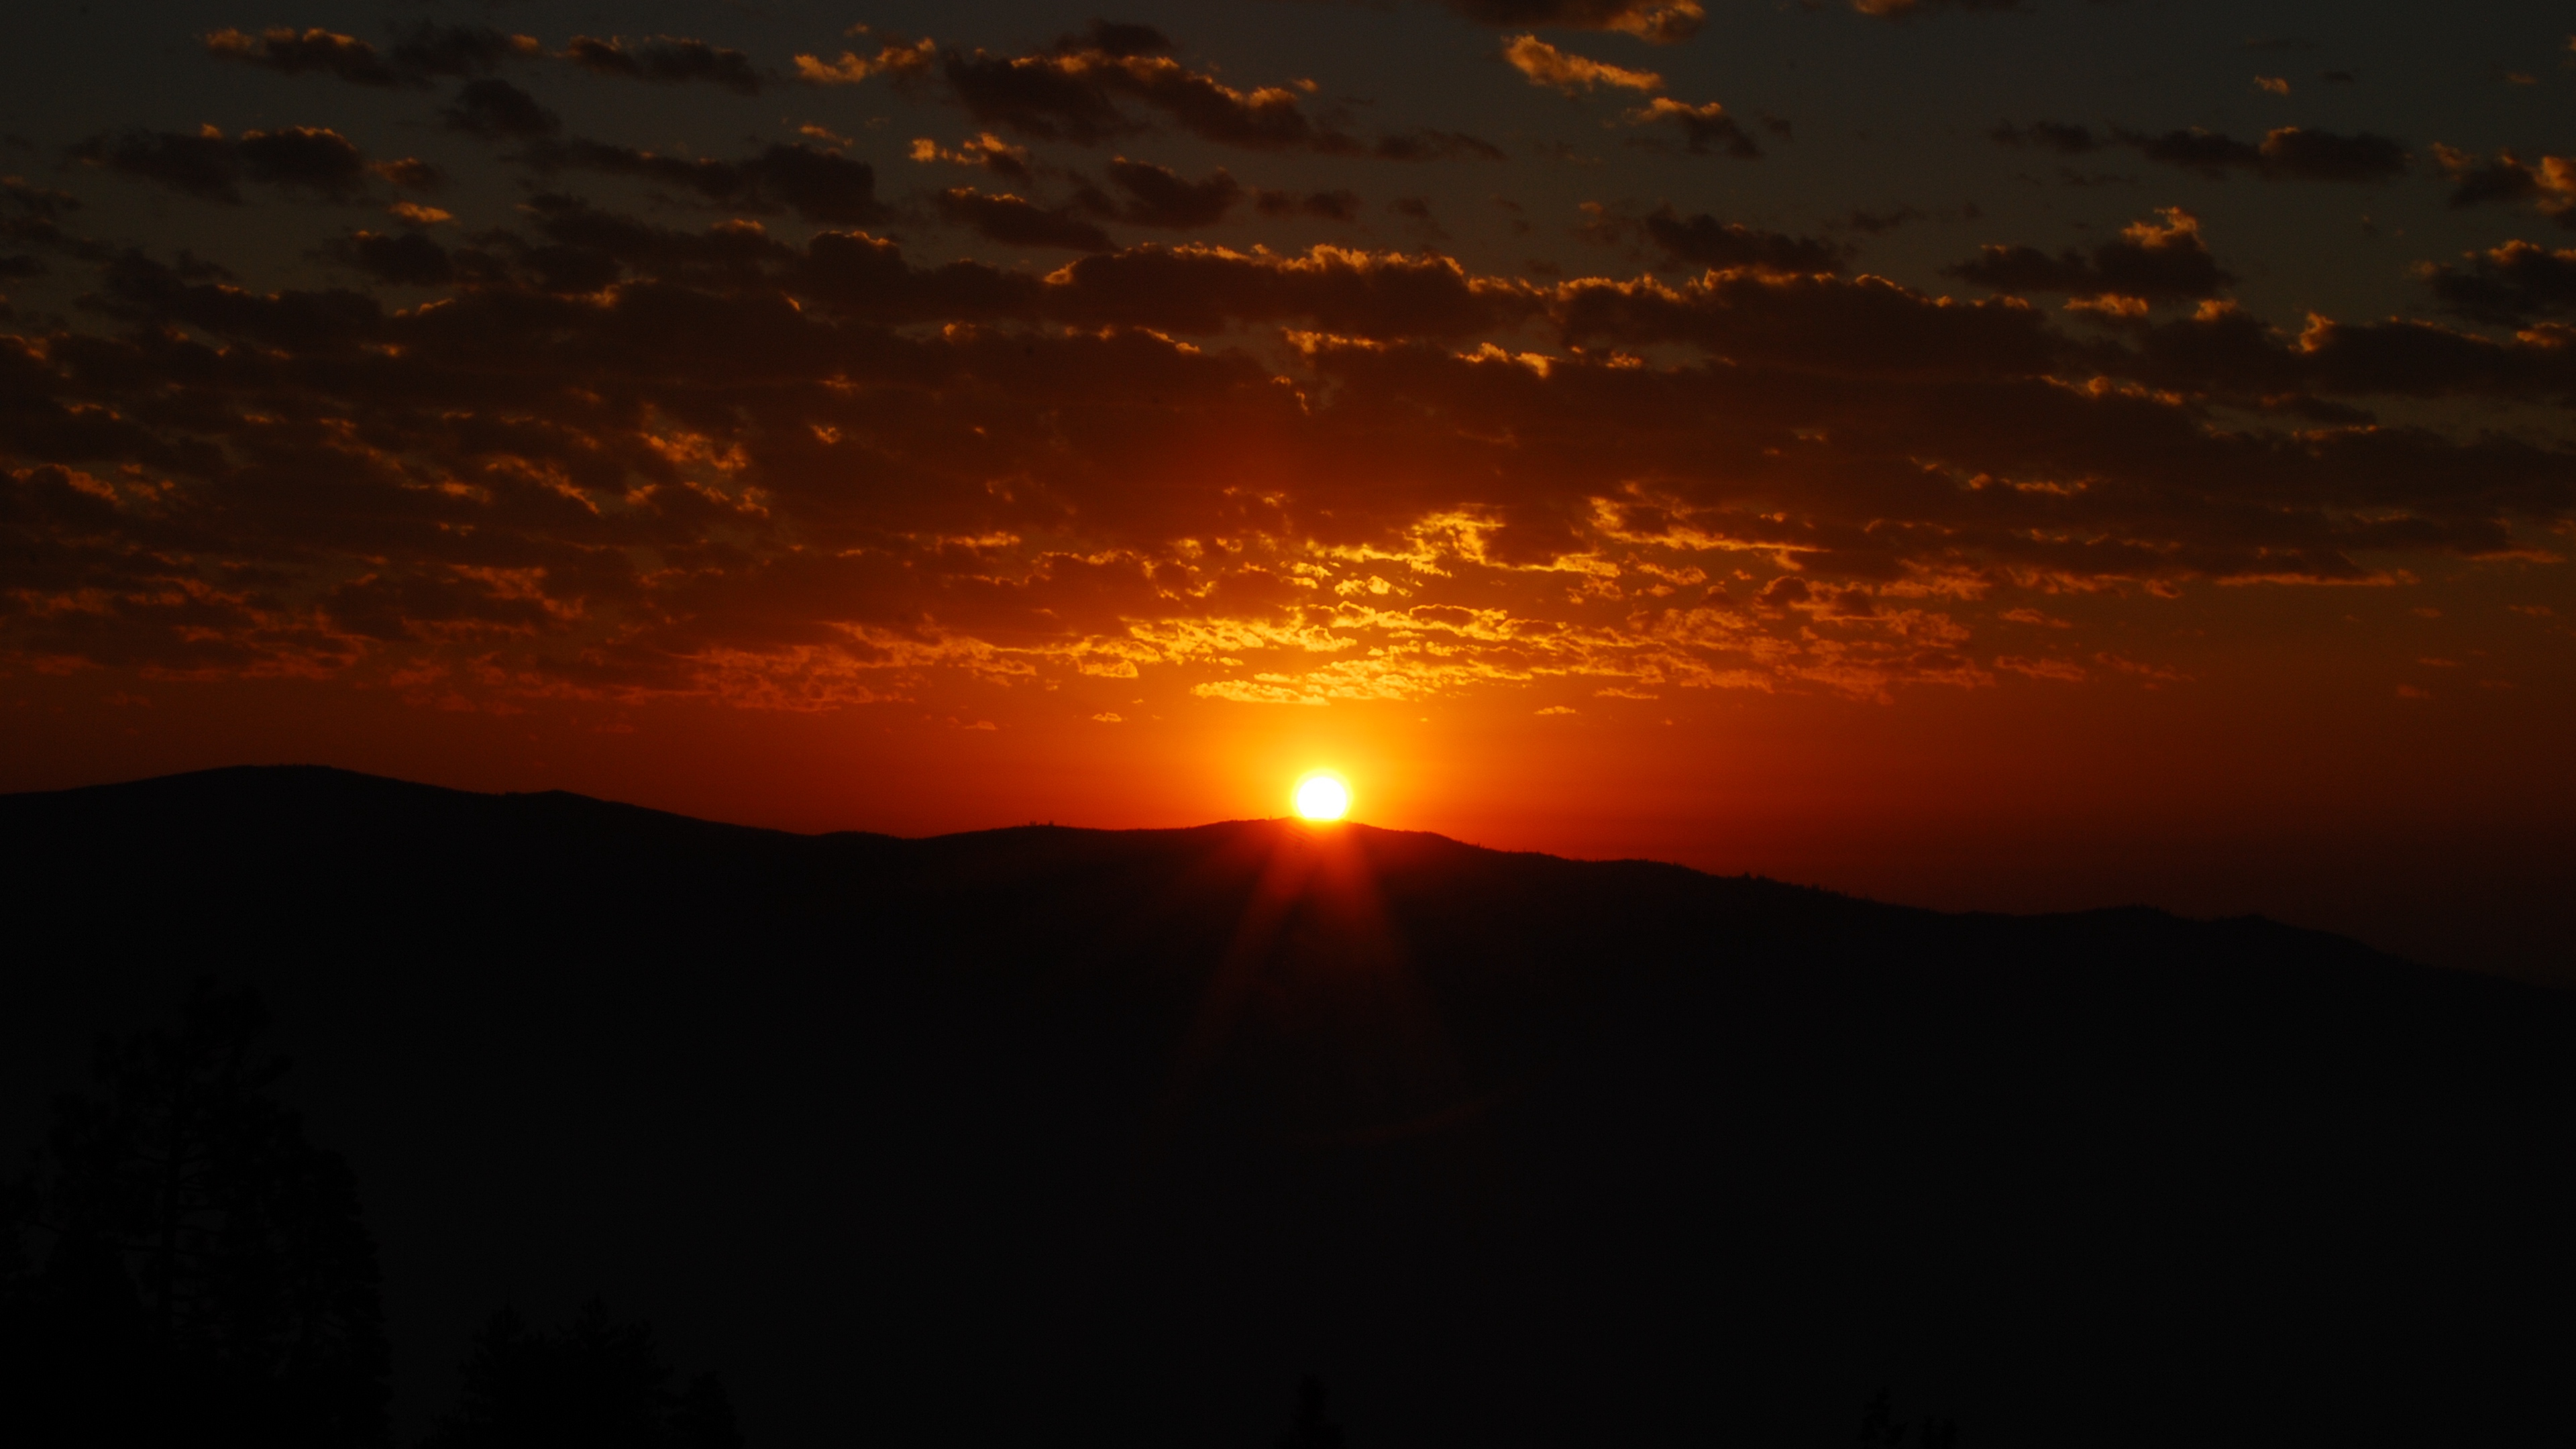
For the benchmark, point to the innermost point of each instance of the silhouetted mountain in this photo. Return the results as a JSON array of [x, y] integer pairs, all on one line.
[[1054, 1135]]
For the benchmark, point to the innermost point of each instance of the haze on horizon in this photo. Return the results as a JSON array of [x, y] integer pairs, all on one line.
[[2000, 455]]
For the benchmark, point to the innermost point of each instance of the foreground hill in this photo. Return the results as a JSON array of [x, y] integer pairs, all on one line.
[[1043, 1134]]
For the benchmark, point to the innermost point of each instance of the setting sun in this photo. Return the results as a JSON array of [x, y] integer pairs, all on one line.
[[1323, 797]]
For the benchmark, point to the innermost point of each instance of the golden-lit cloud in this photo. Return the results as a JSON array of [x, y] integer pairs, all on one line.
[[1662, 22], [1545, 65], [743, 427]]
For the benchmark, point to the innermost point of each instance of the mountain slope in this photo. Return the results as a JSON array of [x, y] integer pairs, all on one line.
[[1046, 1133]]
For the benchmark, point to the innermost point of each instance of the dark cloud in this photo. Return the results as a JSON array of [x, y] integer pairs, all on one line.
[[1117, 40], [668, 59], [1077, 90], [1906, 9], [2289, 153], [408, 259], [204, 165], [1324, 205], [1015, 222], [679, 481], [1158, 196], [1434, 145], [819, 185], [494, 107], [211, 166], [1704, 241], [1703, 127], [622, 457], [2549, 184], [424, 53], [2508, 285], [1664, 22], [2060, 136], [2156, 261]]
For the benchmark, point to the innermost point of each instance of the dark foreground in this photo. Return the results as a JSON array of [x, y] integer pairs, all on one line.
[[1051, 1136]]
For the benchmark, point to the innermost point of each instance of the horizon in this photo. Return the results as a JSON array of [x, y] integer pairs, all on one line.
[[2023, 456]]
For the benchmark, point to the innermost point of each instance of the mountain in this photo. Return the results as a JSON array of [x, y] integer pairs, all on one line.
[[1047, 1135]]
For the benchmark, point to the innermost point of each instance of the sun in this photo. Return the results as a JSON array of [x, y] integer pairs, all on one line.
[[1323, 796]]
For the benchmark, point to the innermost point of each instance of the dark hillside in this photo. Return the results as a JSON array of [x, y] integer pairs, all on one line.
[[1050, 1135]]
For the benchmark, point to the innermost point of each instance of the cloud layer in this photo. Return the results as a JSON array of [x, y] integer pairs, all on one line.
[[735, 427]]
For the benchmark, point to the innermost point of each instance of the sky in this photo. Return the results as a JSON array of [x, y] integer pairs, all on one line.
[[1984, 455]]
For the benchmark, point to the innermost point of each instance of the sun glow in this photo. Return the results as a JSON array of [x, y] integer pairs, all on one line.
[[1323, 796]]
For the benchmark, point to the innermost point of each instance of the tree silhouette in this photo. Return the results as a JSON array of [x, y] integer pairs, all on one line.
[[599, 1383], [205, 1276], [1310, 1429]]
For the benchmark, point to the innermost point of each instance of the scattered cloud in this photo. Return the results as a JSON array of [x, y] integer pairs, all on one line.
[[685, 425], [1015, 222], [818, 184], [2548, 184], [1704, 241], [1703, 127], [424, 53], [667, 60], [2162, 260], [895, 59], [1662, 22], [211, 166], [2286, 153], [1906, 9], [493, 107], [987, 151], [1570, 74], [1159, 196], [2508, 285]]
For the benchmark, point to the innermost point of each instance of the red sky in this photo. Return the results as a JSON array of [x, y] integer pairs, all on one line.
[[1983, 456]]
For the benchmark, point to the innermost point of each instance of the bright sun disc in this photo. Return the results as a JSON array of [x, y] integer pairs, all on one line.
[[1322, 797]]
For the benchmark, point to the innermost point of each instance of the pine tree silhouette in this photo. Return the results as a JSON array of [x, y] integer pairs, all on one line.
[[205, 1276], [1310, 1429], [598, 1383]]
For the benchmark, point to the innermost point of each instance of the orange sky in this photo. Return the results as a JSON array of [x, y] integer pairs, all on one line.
[[1975, 485]]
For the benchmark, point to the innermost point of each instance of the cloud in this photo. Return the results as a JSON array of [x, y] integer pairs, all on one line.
[[1158, 196], [2509, 284], [2158, 261], [667, 59], [1077, 90], [1704, 241], [819, 185], [424, 53], [1905, 9], [1545, 65], [1018, 223], [988, 151], [211, 166], [579, 450], [1663, 22], [895, 59], [2549, 184], [494, 107], [407, 259], [2287, 153], [1702, 126], [2060, 136], [1337, 205]]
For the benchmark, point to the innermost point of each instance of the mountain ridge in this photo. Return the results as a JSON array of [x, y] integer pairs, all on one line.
[[977, 1136]]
